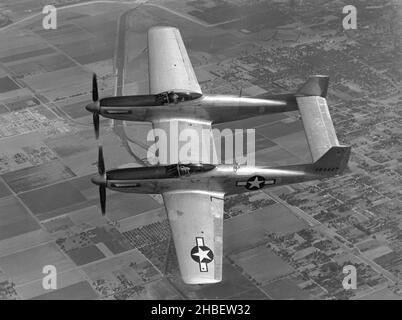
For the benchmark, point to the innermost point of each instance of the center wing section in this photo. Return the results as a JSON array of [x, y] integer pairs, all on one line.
[[196, 220], [184, 141], [169, 66]]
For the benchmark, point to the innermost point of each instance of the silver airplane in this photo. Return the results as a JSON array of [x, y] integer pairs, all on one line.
[[194, 192]]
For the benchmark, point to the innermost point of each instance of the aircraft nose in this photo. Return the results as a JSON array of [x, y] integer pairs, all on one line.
[[99, 180], [93, 107]]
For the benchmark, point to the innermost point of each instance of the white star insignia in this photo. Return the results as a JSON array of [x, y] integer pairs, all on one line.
[[202, 254], [255, 183]]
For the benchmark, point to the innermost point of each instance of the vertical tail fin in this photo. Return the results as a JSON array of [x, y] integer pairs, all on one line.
[[333, 161], [315, 86]]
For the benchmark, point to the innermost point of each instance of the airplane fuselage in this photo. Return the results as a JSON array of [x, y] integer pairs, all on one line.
[[212, 108], [228, 179]]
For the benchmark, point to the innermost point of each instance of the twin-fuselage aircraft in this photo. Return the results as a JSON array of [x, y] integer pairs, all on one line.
[[194, 192]]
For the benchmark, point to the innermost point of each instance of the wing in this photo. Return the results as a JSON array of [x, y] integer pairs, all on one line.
[[184, 141], [196, 220], [170, 68]]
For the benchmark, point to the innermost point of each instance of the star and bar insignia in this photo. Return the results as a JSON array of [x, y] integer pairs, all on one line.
[[255, 183], [202, 254]]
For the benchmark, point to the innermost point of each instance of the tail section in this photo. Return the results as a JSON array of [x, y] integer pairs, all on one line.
[[334, 161], [329, 157], [317, 122], [315, 86], [318, 126]]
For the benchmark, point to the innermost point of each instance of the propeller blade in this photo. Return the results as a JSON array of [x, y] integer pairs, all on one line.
[[95, 95], [101, 162], [102, 196], [95, 118]]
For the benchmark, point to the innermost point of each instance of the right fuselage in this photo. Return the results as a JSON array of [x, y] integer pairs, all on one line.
[[228, 179]]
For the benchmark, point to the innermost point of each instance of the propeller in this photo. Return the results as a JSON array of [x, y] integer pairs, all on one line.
[[102, 187], [102, 195], [95, 94], [101, 180], [94, 107], [101, 162]]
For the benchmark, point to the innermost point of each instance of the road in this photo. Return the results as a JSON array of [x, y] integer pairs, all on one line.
[[118, 125], [192, 19], [120, 63], [138, 3]]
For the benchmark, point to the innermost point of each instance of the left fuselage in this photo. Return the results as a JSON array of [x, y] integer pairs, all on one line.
[[214, 108]]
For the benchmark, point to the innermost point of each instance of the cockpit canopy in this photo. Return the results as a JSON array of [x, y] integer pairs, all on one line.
[[175, 97], [160, 172], [188, 169]]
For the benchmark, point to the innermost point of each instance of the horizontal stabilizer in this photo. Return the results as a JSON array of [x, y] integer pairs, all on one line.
[[318, 126], [315, 86]]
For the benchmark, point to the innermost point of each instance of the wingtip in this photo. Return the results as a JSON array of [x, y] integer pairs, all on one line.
[[200, 280], [160, 28]]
